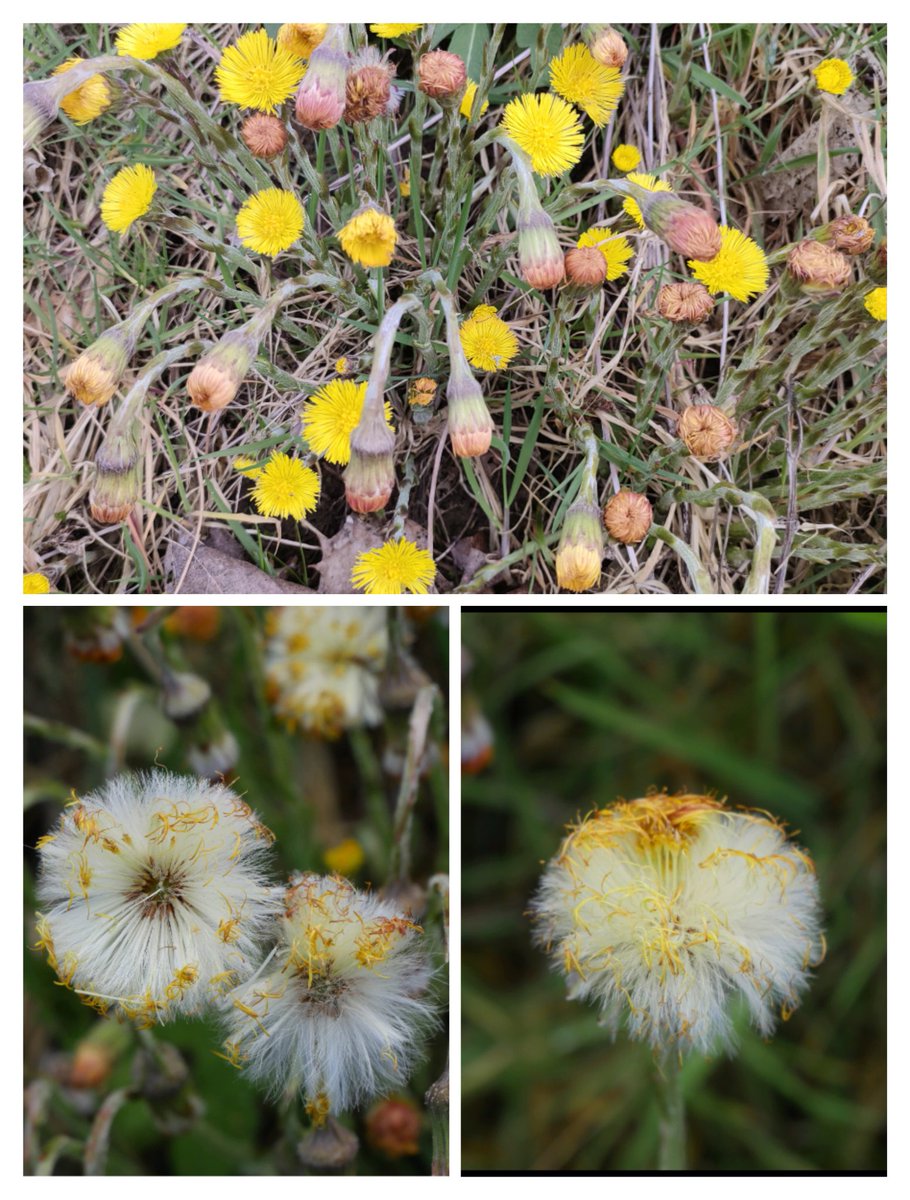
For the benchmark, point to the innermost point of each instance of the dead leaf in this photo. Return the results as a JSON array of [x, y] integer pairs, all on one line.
[[212, 572]]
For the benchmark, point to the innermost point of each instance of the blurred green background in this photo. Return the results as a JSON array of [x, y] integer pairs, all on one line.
[[87, 721], [783, 711]]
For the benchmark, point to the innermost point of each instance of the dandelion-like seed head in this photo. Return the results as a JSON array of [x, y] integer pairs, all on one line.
[[147, 41], [396, 567], [258, 72], [369, 238], [547, 129], [488, 342], [833, 75], [740, 268], [128, 197], [663, 910], [330, 417], [153, 894], [615, 249], [89, 99], [876, 303], [341, 1011], [286, 488], [270, 221], [653, 184], [579, 78], [322, 667]]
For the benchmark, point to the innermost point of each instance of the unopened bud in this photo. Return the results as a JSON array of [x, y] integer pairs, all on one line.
[[585, 266], [580, 551], [706, 431], [686, 303], [627, 516], [818, 268], [328, 1148], [540, 259], [117, 481], [685, 227], [469, 421], [94, 376], [607, 46], [264, 135], [216, 378], [321, 96], [393, 1127], [370, 474], [443, 76]]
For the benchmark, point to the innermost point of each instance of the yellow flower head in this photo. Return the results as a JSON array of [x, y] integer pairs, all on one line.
[[330, 417], [487, 340], [740, 269], [35, 584], [148, 41], [247, 466], [833, 75], [616, 249], [127, 197], [579, 78], [392, 31], [301, 40], [653, 184], [89, 99], [876, 303], [404, 186], [467, 100], [286, 488], [270, 221], [626, 158], [369, 238], [257, 72], [398, 566], [345, 858], [547, 129]]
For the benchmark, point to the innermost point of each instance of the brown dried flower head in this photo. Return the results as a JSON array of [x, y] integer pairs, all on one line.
[[369, 86], [442, 75], [585, 266], [264, 135], [421, 392], [850, 235], [819, 269], [609, 47], [684, 302], [627, 516], [707, 432]]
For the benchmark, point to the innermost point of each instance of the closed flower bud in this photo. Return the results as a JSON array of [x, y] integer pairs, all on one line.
[[216, 378], [627, 516], [850, 235], [608, 47], [684, 302], [586, 267], [264, 135], [685, 227], [818, 268], [393, 1127], [321, 96], [422, 392], [328, 1148], [117, 481], [707, 432], [370, 474], [470, 424], [93, 377], [369, 86], [540, 259], [581, 548], [443, 76]]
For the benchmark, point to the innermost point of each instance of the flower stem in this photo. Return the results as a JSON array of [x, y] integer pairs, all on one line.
[[672, 1150]]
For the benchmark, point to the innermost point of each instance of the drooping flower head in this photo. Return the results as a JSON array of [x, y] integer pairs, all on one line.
[[581, 547], [340, 1012], [653, 184], [833, 75], [663, 910], [153, 894], [331, 415], [148, 41], [396, 567], [369, 238], [270, 221], [128, 197], [740, 268], [89, 99], [579, 78], [487, 340], [258, 72], [321, 96], [547, 129], [322, 667], [286, 488], [615, 249]]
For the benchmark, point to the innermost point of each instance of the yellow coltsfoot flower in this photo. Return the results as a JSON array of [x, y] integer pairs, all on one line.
[[547, 129], [833, 75], [467, 100], [270, 221], [369, 238], [128, 197], [392, 31], [89, 99], [148, 41], [487, 340], [398, 566], [626, 158], [301, 40], [579, 78], [35, 584], [257, 72], [740, 268], [286, 488], [331, 415], [876, 303]]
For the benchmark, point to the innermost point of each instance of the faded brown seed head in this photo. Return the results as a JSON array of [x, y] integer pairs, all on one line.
[[707, 432], [264, 135], [684, 302], [627, 516], [819, 269], [442, 75], [585, 266], [851, 235]]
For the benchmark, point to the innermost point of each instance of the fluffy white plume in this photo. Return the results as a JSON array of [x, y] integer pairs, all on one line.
[[154, 895], [661, 910], [339, 1009]]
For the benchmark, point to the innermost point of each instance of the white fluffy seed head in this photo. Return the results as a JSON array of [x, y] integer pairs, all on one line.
[[153, 895], [339, 1009], [663, 910], [322, 667]]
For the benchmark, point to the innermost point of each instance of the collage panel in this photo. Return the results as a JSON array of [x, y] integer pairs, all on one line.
[[236, 890], [673, 891]]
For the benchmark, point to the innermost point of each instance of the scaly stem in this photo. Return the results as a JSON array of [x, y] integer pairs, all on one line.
[[672, 1151]]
